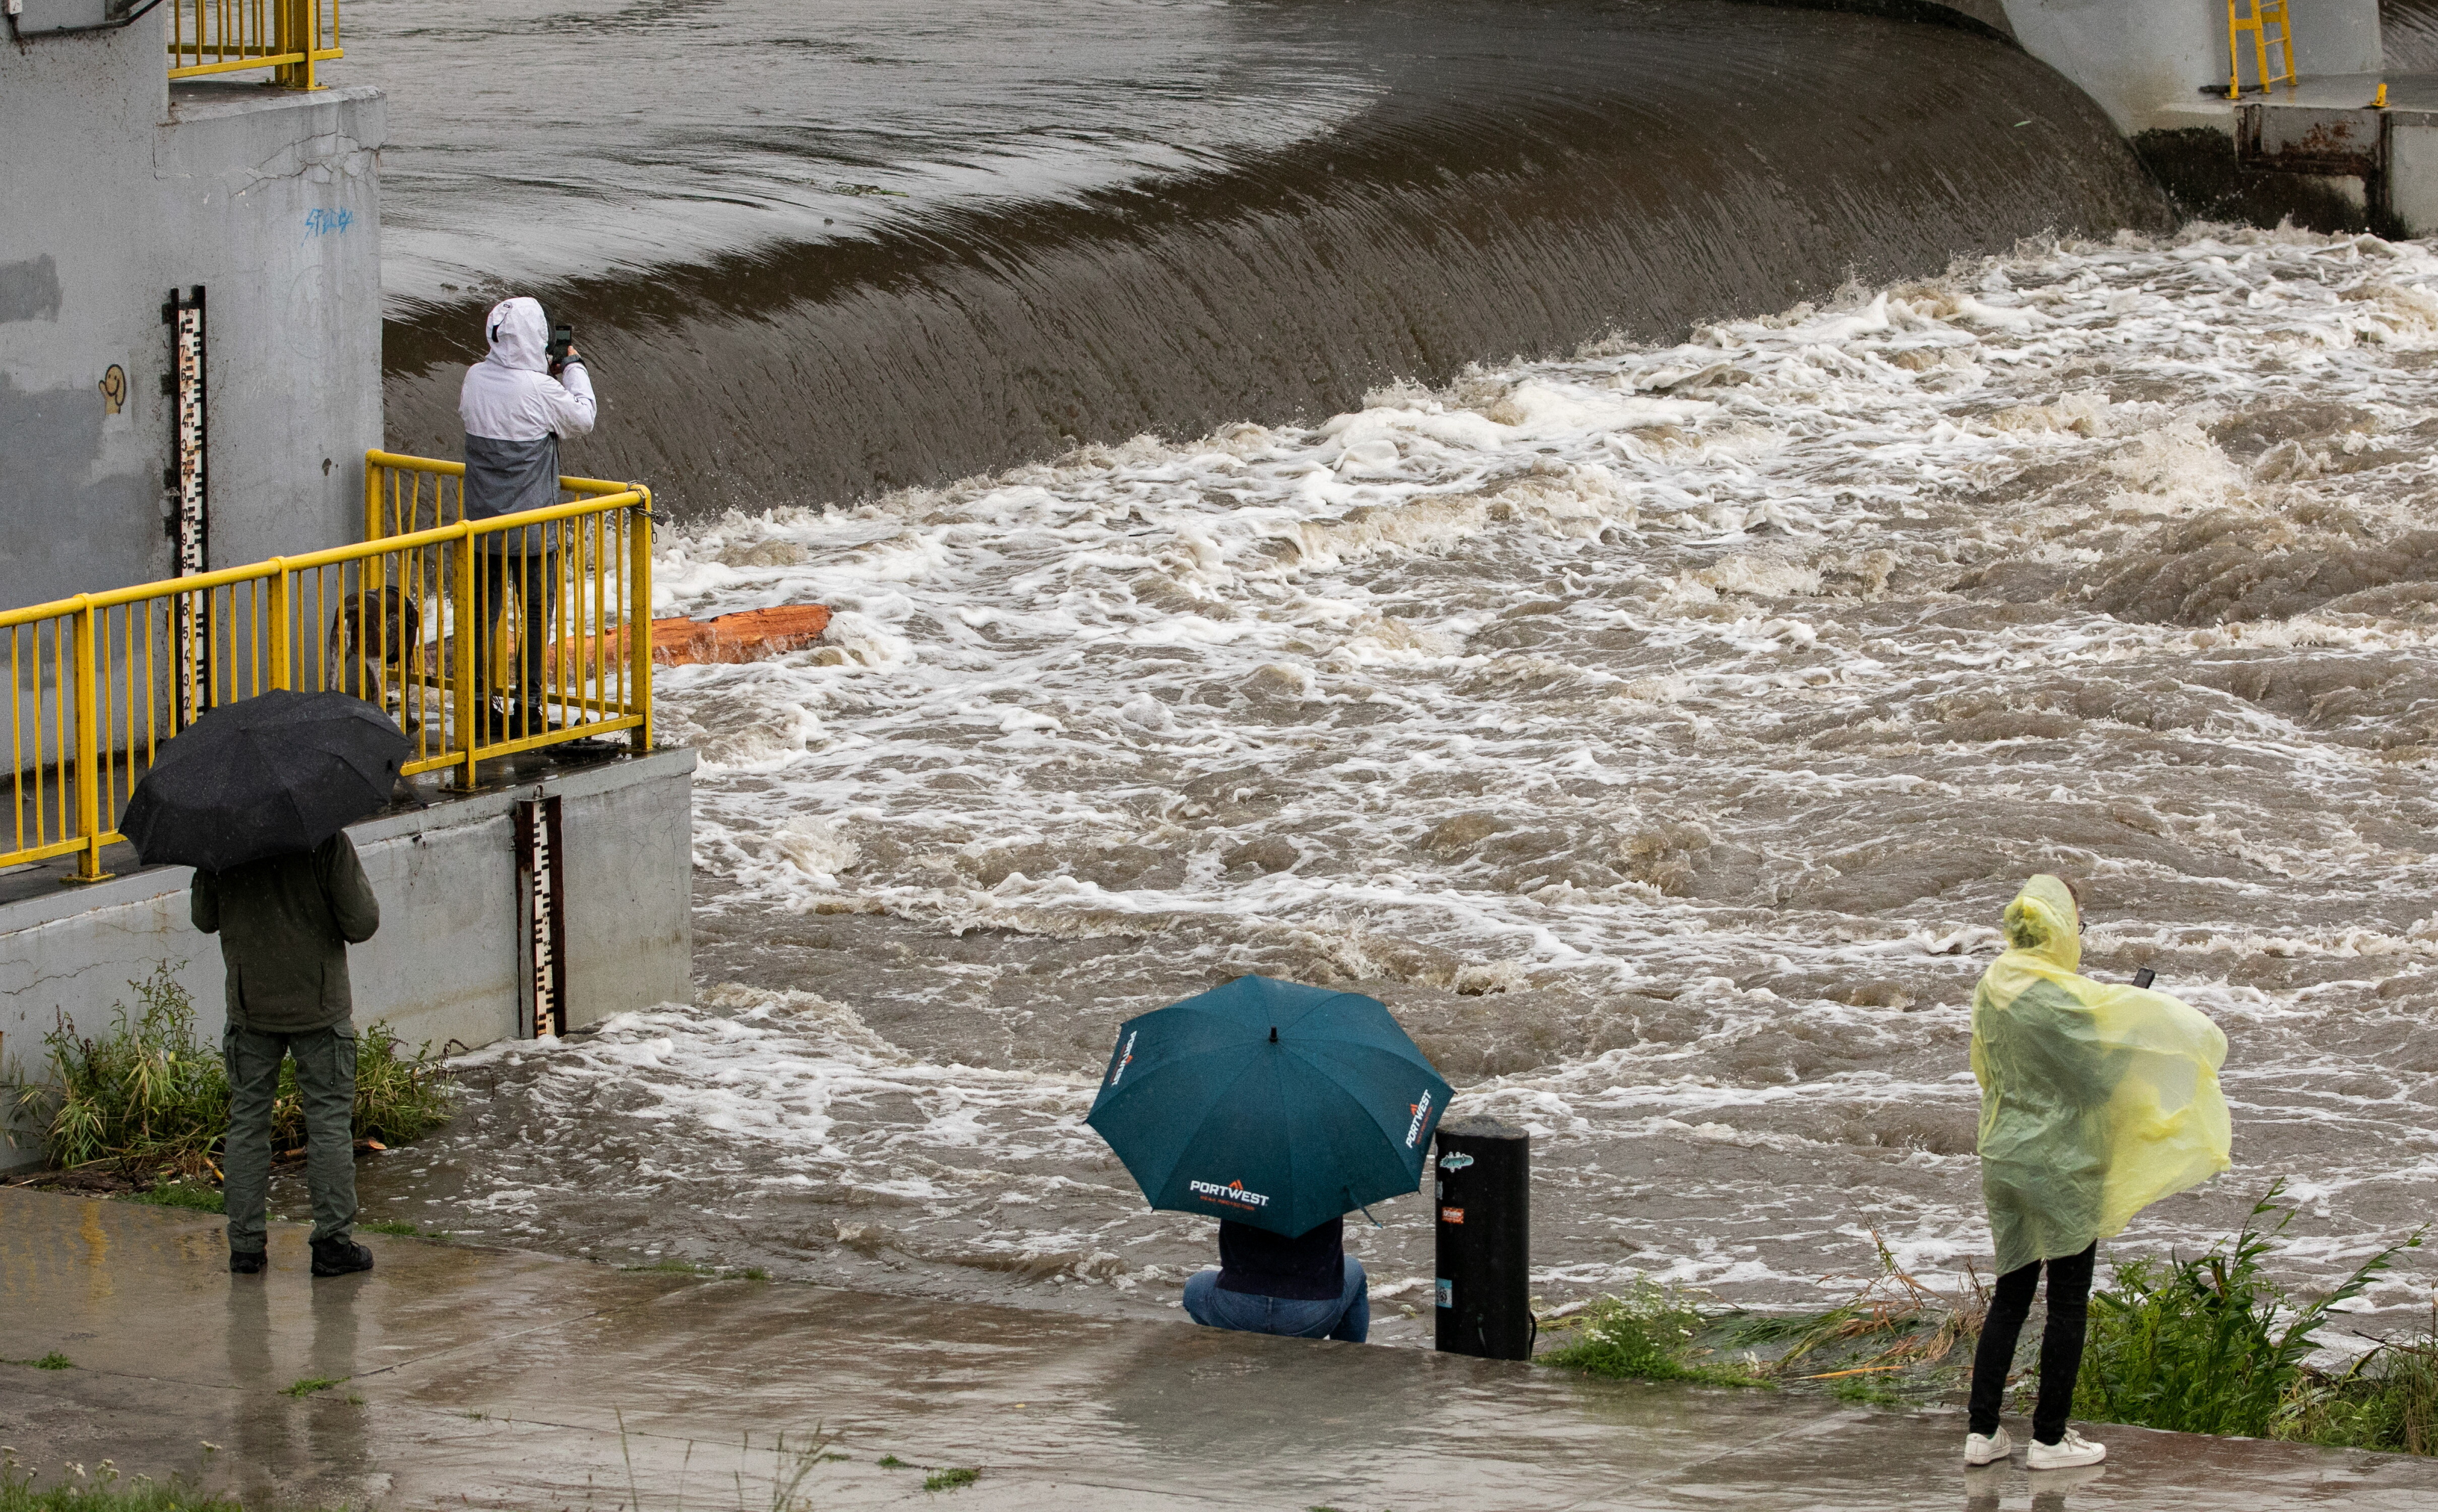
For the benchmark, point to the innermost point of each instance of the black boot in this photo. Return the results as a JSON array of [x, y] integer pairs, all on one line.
[[245, 1262], [339, 1257]]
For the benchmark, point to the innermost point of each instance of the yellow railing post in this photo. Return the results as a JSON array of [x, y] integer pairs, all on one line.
[[88, 757], [464, 614], [638, 618], [298, 30], [276, 594]]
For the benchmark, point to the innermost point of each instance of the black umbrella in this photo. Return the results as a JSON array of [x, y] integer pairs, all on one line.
[[274, 775]]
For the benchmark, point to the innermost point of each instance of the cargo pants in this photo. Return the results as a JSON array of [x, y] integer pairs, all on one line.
[[325, 1076]]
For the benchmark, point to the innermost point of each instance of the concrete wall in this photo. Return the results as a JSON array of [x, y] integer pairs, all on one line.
[[2412, 171], [118, 188], [2146, 62], [446, 963]]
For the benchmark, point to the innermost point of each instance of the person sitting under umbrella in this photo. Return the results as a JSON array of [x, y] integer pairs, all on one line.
[[1304, 1288], [1277, 1109]]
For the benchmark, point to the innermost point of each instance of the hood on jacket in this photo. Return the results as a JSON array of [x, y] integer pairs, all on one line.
[[518, 334], [2043, 921]]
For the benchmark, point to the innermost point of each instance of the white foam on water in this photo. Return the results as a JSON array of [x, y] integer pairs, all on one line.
[[1659, 732]]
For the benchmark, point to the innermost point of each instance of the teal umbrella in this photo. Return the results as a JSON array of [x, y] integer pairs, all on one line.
[[1269, 1103]]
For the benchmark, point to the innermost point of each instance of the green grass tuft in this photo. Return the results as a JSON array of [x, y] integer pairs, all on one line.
[[189, 1195], [950, 1480], [890, 1462], [54, 1360], [1865, 1391], [1644, 1336], [152, 1099], [404, 1231], [100, 1490], [2212, 1345], [310, 1384]]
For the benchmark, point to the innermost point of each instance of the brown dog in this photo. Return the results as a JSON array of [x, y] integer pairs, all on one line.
[[374, 630]]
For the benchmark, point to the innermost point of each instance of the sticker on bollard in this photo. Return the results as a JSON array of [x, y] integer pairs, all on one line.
[[1484, 1190]]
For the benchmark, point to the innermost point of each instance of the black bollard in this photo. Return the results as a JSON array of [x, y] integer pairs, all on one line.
[[1485, 1207]]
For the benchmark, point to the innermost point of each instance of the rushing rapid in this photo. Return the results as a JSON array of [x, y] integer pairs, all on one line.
[[813, 255], [1658, 731]]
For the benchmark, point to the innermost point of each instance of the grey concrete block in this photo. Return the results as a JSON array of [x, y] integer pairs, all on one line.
[[445, 966]]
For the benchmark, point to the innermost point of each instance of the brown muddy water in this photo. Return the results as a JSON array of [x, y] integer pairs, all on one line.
[[1659, 731], [815, 253]]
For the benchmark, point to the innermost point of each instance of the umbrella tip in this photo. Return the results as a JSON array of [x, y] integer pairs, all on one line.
[[1274, 1034]]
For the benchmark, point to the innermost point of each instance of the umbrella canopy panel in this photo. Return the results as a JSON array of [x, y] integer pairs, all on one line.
[[1269, 1103], [273, 775]]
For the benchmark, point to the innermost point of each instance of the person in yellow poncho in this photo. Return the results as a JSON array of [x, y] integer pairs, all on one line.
[[2096, 1101]]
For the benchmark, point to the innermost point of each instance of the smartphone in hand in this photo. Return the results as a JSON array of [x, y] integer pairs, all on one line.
[[2144, 977], [562, 341]]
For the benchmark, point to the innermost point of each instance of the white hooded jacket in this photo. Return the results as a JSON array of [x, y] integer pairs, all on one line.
[[514, 414]]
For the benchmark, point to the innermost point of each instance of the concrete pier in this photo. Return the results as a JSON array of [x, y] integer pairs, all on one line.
[[452, 959], [495, 1378], [123, 187]]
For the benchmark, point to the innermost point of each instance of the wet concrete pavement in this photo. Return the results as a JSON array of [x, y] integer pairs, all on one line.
[[500, 1378]]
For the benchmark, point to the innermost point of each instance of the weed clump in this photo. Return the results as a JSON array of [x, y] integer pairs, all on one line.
[[190, 1195], [1646, 1335], [956, 1480], [1892, 1323], [2212, 1345], [100, 1490], [152, 1099]]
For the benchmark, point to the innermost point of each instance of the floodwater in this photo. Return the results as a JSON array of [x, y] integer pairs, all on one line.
[[1659, 731], [816, 253]]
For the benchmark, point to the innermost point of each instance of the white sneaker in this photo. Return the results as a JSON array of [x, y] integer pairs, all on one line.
[[2065, 1454], [1987, 1449]]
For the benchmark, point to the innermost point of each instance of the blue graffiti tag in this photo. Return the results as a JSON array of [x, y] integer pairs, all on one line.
[[326, 223]]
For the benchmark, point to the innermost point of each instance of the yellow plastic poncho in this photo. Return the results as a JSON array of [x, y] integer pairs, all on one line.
[[2095, 1100]]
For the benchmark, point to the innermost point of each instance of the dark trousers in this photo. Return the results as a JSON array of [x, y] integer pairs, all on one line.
[[2061, 1342], [528, 575], [326, 1076]]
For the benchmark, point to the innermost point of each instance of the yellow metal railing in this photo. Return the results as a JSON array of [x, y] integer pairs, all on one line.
[[560, 598], [2265, 13], [229, 35]]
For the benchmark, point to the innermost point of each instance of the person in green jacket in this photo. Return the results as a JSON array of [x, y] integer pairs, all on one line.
[[285, 924]]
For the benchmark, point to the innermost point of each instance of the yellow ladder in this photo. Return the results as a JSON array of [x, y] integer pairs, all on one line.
[[2265, 13]]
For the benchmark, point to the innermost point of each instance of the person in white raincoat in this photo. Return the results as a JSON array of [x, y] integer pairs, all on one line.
[[515, 409], [2097, 1100]]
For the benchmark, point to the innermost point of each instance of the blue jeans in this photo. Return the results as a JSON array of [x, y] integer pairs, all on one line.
[[1346, 1316]]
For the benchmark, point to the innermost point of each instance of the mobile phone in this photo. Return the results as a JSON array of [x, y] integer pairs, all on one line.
[[562, 341], [2144, 977]]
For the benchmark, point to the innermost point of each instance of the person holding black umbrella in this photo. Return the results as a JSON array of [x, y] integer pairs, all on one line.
[[256, 796], [285, 924]]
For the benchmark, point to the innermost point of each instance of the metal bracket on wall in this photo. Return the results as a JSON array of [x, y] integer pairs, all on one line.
[[541, 921], [190, 484], [29, 19]]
